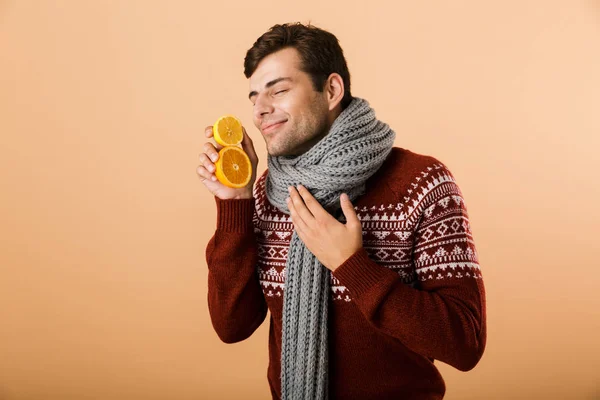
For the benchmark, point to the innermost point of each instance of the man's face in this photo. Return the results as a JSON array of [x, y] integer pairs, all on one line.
[[289, 113]]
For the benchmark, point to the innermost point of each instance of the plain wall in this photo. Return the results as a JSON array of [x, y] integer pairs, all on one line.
[[104, 222]]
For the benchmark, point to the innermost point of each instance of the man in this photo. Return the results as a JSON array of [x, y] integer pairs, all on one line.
[[362, 251]]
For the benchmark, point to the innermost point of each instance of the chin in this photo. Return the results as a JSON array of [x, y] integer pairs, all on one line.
[[280, 152], [277, 153]]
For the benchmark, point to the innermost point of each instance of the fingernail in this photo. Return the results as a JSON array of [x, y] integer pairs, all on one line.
[[287, 200], [214, 178], [289, 189], [214, 157]]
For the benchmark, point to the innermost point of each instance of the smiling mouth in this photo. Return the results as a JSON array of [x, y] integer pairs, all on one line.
[[273, 127]]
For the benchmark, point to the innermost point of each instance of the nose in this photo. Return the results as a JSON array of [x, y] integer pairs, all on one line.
[[262, 106]]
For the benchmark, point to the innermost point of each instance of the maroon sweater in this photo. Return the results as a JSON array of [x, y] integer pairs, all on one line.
[[412, 294]]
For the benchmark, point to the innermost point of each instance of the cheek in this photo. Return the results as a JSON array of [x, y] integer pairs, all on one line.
[[295, 104], [284, 107]]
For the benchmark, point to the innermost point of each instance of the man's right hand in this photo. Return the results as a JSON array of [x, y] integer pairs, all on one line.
[[206, 169]]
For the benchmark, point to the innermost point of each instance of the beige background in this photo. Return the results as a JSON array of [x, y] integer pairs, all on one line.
[[104, 221]]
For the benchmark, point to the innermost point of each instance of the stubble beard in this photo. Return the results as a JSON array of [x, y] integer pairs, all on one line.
[[295, 141]]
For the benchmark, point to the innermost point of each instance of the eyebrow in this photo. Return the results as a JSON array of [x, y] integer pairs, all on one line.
[[269, 84]]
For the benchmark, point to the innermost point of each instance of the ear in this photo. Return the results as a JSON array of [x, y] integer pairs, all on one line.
[[334, 89]]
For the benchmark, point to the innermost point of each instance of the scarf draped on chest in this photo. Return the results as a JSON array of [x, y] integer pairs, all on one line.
[[341, 162]]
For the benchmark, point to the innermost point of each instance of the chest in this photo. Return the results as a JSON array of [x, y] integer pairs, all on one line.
[[388, 238]]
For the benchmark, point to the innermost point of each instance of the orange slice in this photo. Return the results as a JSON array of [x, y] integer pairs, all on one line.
[[227, 131], [233, 168]]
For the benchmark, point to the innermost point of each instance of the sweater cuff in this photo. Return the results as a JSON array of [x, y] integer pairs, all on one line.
[[360, 274], [235, 215]]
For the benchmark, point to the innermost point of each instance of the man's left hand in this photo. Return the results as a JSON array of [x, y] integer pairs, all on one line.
[[331, 241]]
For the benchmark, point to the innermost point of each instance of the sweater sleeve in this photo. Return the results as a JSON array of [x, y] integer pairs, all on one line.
[[236, 302], [444, 317]]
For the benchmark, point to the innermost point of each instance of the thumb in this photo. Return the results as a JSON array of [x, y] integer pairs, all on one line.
[[348, 209]]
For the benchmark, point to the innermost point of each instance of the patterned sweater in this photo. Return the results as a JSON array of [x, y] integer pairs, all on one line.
[[413, 294]]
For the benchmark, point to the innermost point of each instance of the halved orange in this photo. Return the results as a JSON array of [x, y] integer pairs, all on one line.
[[227, 131], [233, 168]]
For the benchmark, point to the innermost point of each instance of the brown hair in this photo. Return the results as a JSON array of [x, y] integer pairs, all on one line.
[[320, 53]]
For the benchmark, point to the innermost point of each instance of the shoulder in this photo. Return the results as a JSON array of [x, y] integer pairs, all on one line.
[[408, 171], [259, 186], [259, 191], [411, 164], [435, 190]]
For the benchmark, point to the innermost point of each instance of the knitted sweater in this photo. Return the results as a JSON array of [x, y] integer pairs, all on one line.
[[411, 295]]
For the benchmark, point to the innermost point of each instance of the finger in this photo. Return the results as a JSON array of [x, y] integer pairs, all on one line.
[[348, 210], [208, 132], [299, 223], [205, 161], [300, 207], [315, 208], [205, 175], [248, 146], [211, 151]]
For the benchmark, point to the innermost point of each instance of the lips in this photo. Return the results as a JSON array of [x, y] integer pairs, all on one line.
[[272, 125]]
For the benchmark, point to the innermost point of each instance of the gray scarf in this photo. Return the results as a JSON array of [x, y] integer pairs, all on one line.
[[352, 151]]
